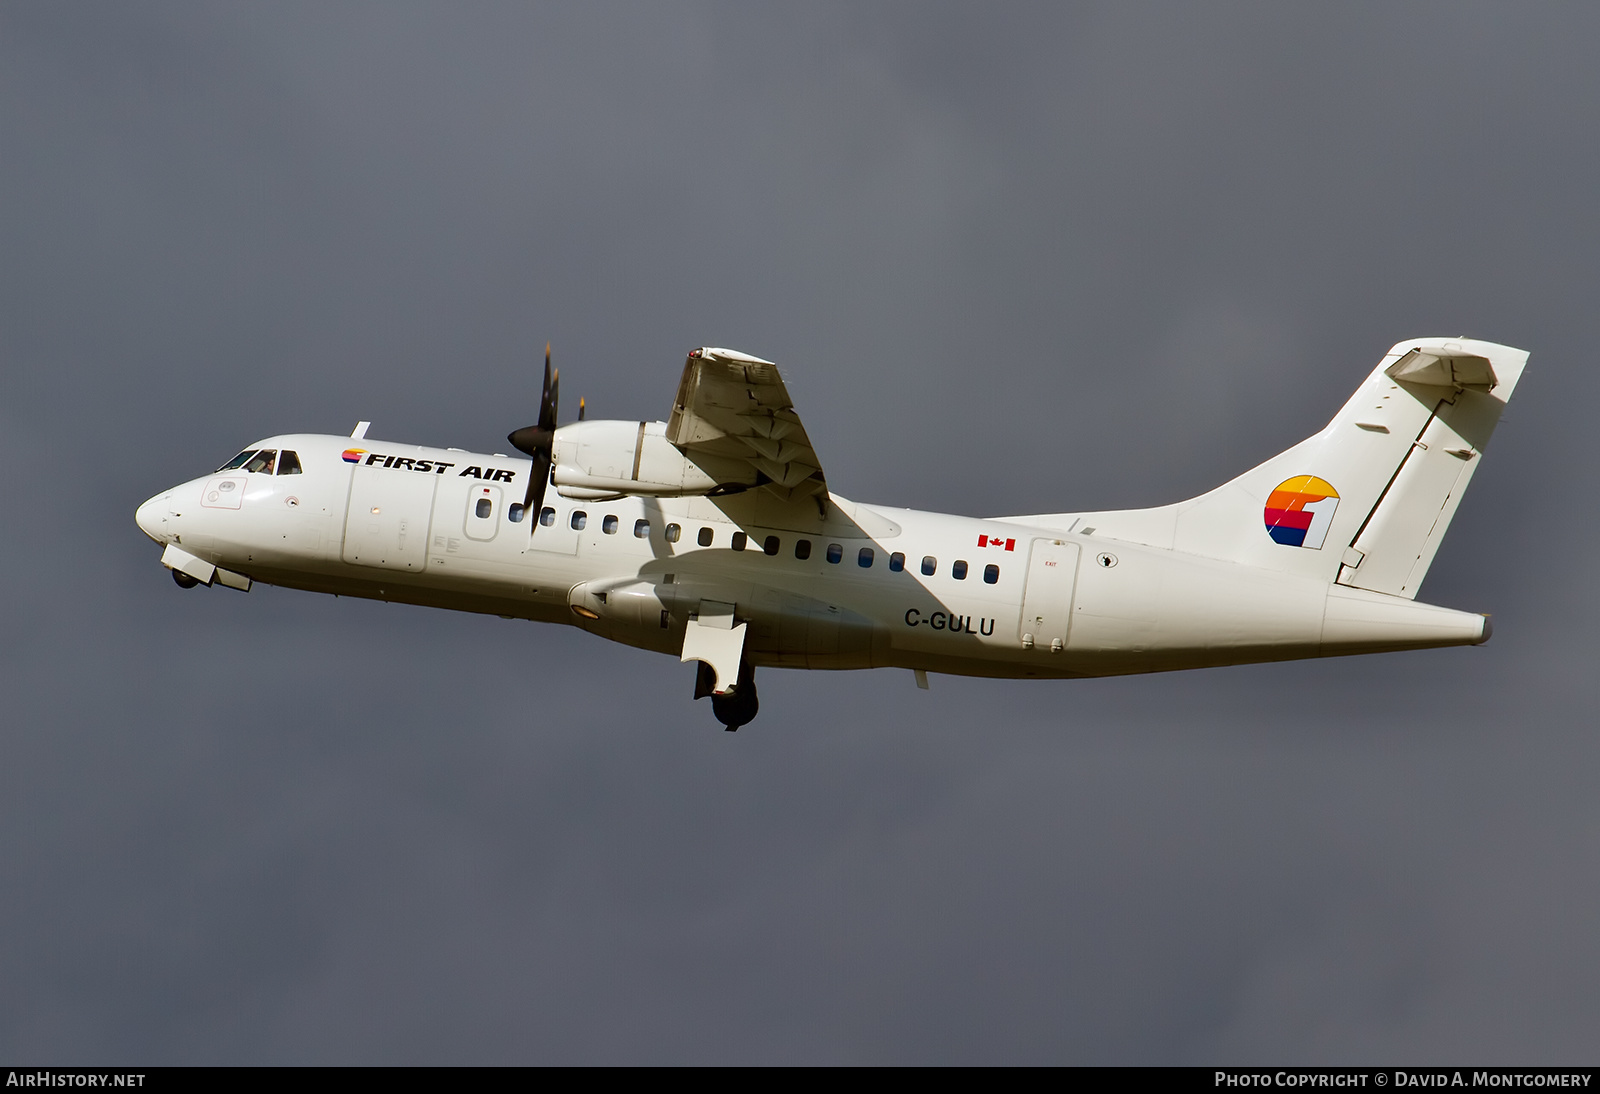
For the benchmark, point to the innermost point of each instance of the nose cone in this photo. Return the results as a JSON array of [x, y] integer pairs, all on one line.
[[151, 517]]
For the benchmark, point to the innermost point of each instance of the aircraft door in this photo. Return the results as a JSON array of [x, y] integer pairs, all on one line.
[[483, 512], [1047, 599], [386, 524]]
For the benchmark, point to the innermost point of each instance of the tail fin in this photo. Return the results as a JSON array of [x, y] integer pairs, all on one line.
[[1366, 501]]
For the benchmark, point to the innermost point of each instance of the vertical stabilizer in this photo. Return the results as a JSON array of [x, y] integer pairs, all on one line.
[[1468, 384], [1364, 502]]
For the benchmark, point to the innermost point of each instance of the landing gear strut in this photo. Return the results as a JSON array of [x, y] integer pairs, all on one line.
[[740, 705]]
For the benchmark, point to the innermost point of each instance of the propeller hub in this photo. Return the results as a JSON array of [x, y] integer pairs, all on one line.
[[533, 440]]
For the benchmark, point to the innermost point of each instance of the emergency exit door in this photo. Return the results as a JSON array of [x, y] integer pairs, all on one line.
[[1047, 598]]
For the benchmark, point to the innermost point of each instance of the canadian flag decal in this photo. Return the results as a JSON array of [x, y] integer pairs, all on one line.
[[996, 541]]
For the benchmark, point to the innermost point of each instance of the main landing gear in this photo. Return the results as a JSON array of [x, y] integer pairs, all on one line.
[[739, 706], [184, 580]]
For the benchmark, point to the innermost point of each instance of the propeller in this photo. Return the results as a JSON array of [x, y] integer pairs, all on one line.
[[538, 441]]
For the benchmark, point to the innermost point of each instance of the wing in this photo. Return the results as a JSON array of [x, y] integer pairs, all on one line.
[[734, 418]]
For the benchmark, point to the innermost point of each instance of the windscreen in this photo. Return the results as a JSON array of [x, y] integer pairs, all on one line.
[[262, 461], [238, 461]]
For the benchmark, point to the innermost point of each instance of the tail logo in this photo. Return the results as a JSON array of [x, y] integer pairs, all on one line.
[[1300, 511]]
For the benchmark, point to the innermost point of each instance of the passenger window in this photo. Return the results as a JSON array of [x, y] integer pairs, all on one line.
[[958, 570], [674, 532], [641, 529], [770, 545], [289, 463], [864, 558], [547, 517], [609, 524], [238, 461], [485, 507], [897, 562], [991, 574], [802, 548], [835, 552], [739, 540], [262, 463], [579, 519], [705, 537], [514, 514], [930, 565]]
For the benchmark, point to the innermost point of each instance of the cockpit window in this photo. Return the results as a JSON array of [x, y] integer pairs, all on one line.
[[289, 463], [238, 461], [262, 461]]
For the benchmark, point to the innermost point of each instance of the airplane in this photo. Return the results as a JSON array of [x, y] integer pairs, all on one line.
[[714, 536]]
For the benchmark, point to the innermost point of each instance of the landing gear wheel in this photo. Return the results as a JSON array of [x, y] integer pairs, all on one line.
[[184, 580], [739, 706]]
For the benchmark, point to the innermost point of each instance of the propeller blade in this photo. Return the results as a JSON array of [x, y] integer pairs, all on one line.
[[538, 442], [550, 398], [538, 479]]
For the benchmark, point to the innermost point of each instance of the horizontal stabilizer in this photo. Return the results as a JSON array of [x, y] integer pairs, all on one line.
[[1445, 366]]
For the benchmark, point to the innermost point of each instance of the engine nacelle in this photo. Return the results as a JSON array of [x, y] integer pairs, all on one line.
[[609, 459]]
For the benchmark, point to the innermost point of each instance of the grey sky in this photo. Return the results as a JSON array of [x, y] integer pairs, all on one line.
[[1013, 259]]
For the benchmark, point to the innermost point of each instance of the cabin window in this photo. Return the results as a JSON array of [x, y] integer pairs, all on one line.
[[835, 552], [238, 461], [958, 569], [608, 525], [991, 574], [547, 517], [674, 533], [739, 540], [514, 514], [262, 461], [802, 548], [641, 529], [289, 463], [930, 565], [897, 562], [484, 507], [864, 558], [704, 539], [579, 519], [770, 545]]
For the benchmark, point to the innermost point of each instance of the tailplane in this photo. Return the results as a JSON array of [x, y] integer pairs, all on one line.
[[1366, 501]]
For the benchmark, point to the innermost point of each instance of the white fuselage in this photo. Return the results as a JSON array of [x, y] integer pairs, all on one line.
[[435, 527]]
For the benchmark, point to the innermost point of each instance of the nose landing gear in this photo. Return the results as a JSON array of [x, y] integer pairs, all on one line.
[[739, 706]]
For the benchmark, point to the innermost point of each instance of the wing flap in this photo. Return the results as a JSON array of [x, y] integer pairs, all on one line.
[[734, 407]]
